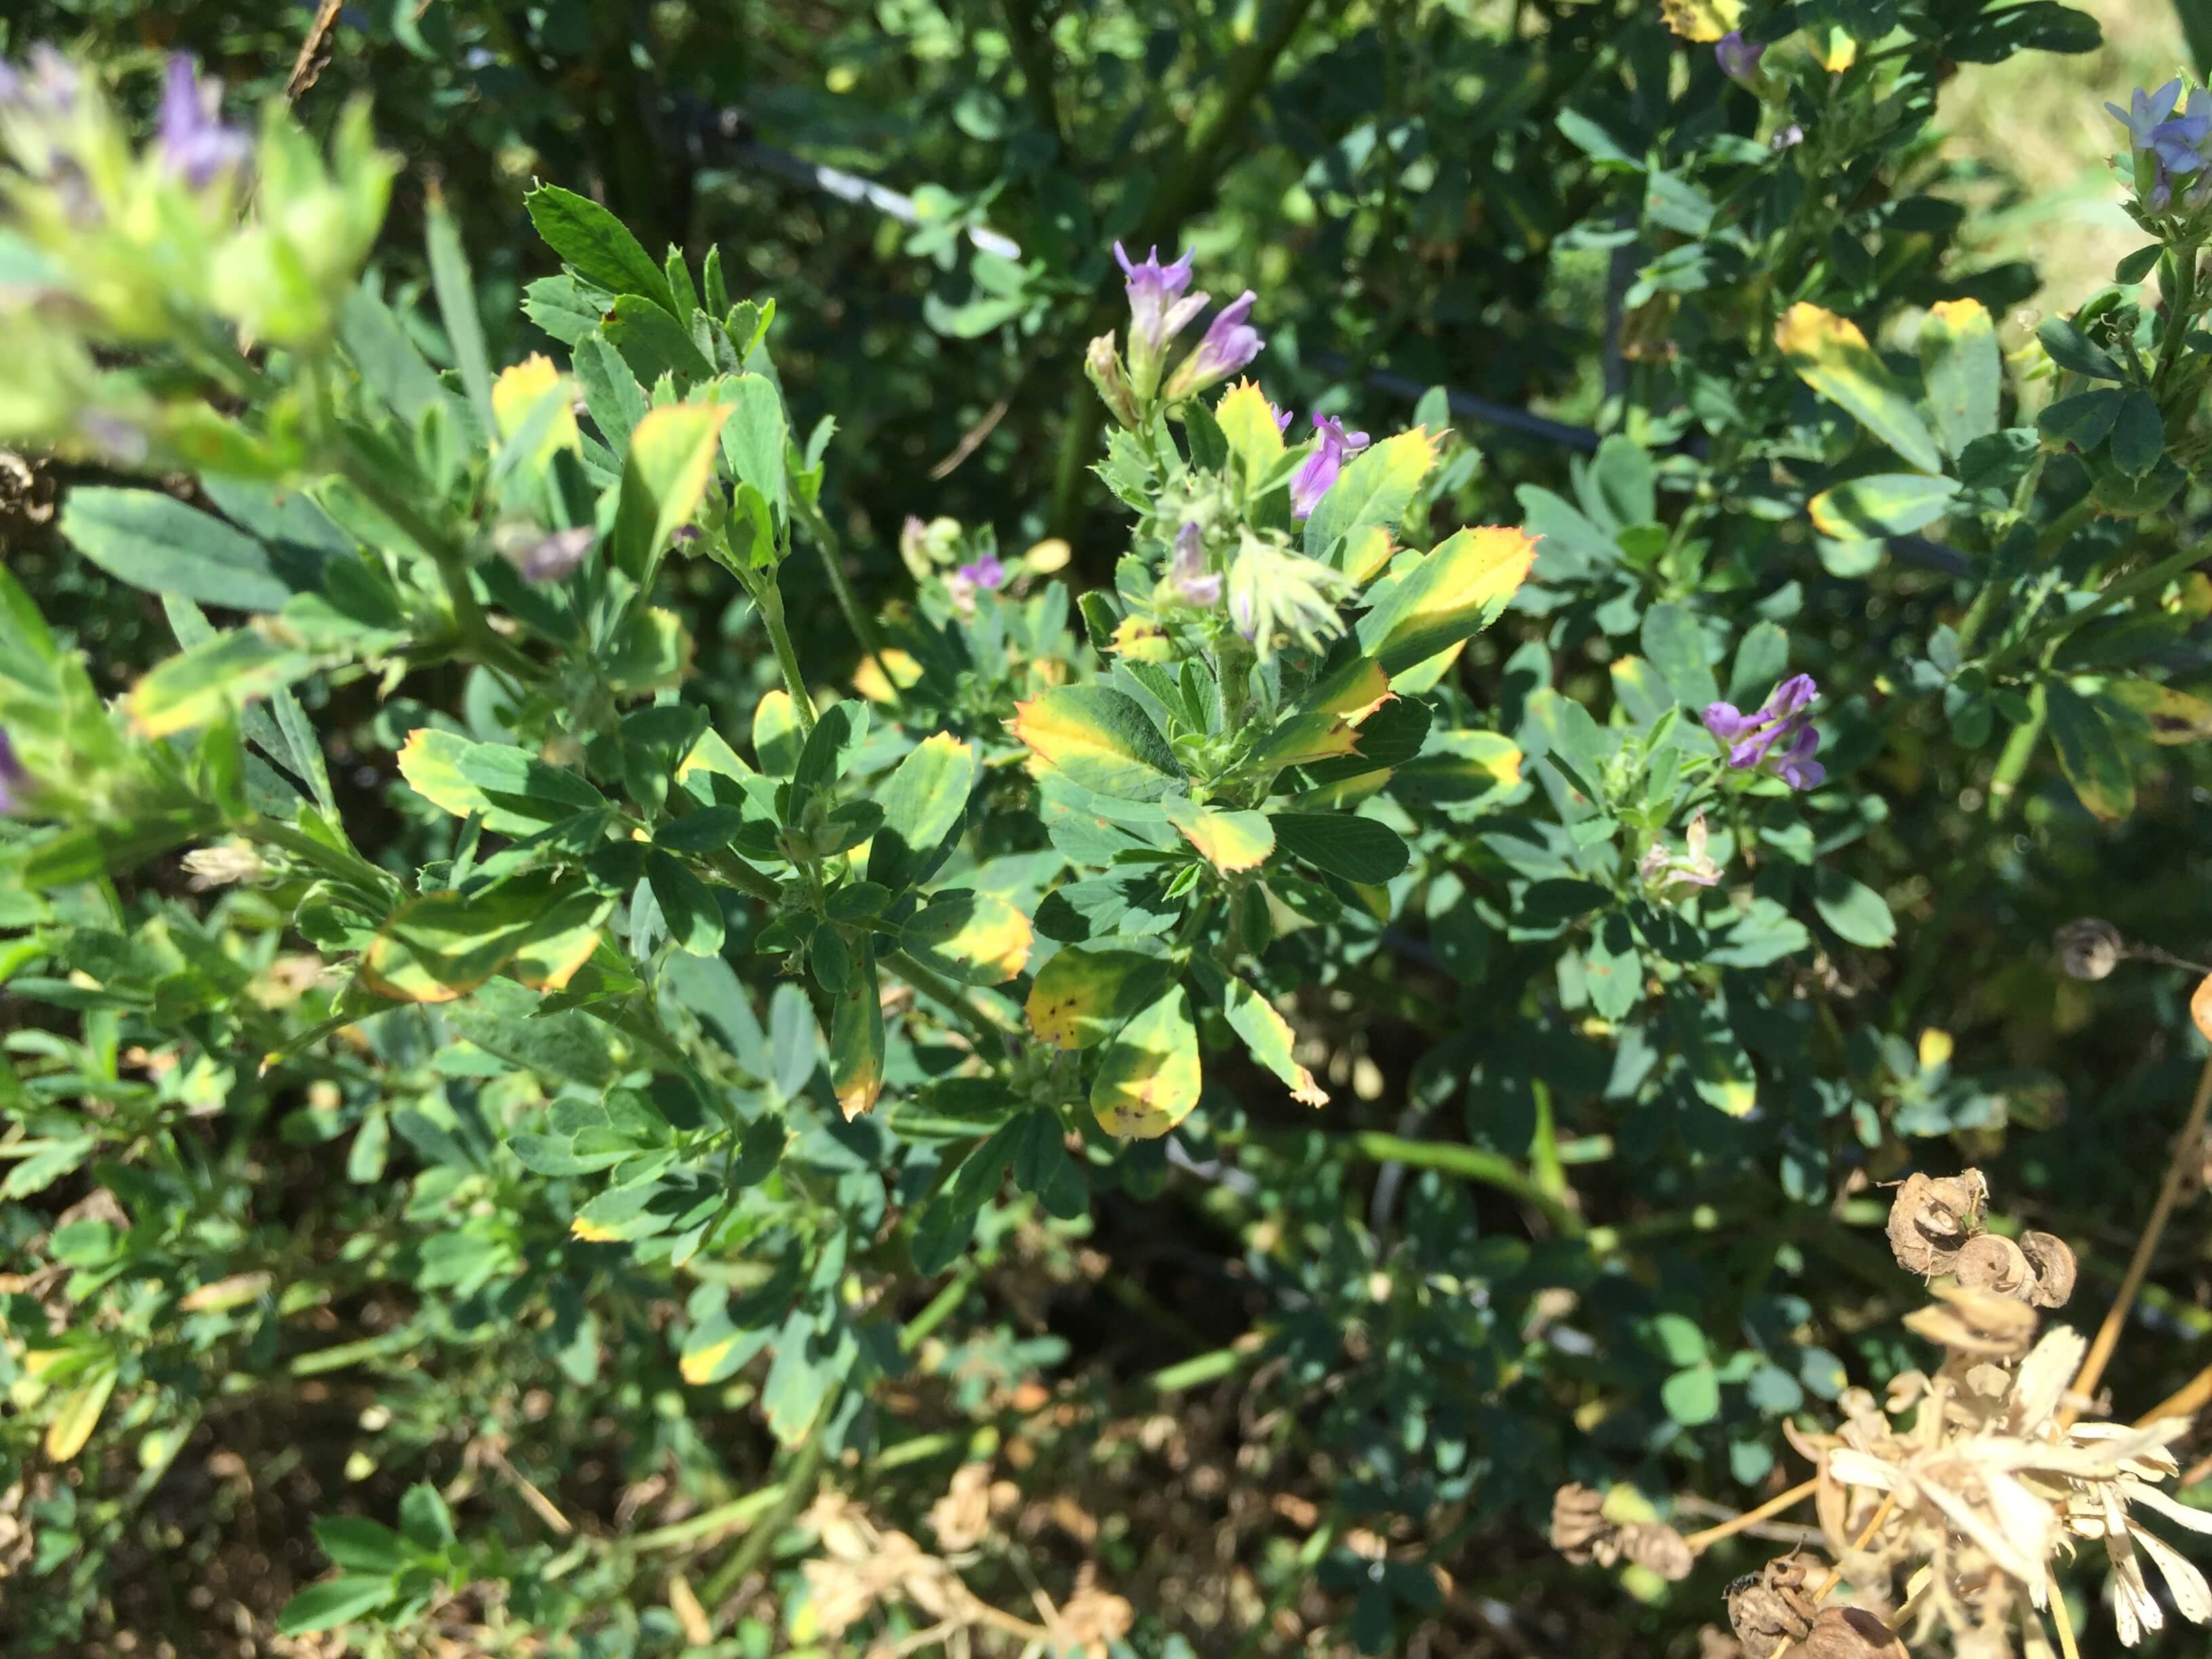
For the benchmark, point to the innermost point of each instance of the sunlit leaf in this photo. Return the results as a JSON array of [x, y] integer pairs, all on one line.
[[1148, 1074]]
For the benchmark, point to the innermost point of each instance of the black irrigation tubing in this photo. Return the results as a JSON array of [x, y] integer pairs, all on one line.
[[723, 136]]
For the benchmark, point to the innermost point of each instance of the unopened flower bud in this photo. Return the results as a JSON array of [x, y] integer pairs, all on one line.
[[1229, 344], [223, 867], [1103, 365]]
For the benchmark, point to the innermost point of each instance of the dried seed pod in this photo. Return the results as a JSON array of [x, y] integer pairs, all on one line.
[[2089, 949], [1971, 1321], [1990, 1262], [1930, 1217], [1849, 1633], [1655, 1545], [1771, 1606], [2050, 1259], [1579, 1529]]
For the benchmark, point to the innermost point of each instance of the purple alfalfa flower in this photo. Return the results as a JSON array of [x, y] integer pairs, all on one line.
[[1158, 310], [2177, 141], [1776, 737], [1192, 581], [1787, 138], [984, 571], [195, 144], [1314, 480], [1738, 58], [2145, 110], [14, 781], [1282, 418], [1230, 343], [554, 558], [2160, 197]]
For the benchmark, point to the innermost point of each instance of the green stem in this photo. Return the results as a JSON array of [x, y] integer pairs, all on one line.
[[978, 1018], [2147, 580], [1031, 39], [479, 641], [865, 632], [769, 598], [1470, 1163], [2180, 314], [796, 1490]]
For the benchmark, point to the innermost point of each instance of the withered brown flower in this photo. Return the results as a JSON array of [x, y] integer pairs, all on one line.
[[1977, 1322], [1849, 1633], [1931, 1217], [2050, 1258], [1657, 1547], [1772, 1606], [1991, 1262], [1579, 1529], [2089, 948]]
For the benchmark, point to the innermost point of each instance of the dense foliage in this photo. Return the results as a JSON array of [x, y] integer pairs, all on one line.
[[927, 925]]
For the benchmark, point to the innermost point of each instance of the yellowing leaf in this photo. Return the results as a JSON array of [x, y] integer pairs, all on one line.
[[1270, 1040], [1936, 1047], [869, 678], [776, 736], [1701, 20], [1140, 638], [2173, 716], [1046, 557], [1836, 49], [233, 1291], [1366, 553], [1303, 739], [1829, 354], [712, 754], [1100, 739], [978, 938], [593, 1232], [1455, 592], [1354, 691], [1247, 419], [197, 686], [1148, 1076], [1081, 996], [443, 946], [79, 1416], [1374, 489], [516, 394], [856, 1039], [672, 456], [1423, 676], [1228, 841]]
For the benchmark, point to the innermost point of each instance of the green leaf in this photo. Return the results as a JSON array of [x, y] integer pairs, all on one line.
[[1148, 1075], [156, 543], [2083, 419], [389, 361], [597, 245], [2089, 753], [664, 476], [1962, 371], [924, 804], [753, 439], [1692, 1397], [1830, 355], [359, 1544], [1674, 643], [1854, 909], [457, 308], [2069, 348], [977, 938], [1358, 850], [611, 393], [2138, 434], [1882, 504], [653, 342], [517, 793], [827, 753], [331, 1604], [694, 917], [424, 1518], [1100, 739]]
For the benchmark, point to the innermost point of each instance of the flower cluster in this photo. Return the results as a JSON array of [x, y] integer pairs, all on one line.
[[1776, 737], [1668, 875], [1159, 310], [132, 249], [2164, 146]]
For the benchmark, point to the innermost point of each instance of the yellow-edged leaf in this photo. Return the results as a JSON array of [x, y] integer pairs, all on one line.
[[1247, 419], [978, 938], [881, 682], [856, 1039], [79, 1416], [1830, 355], [1701, 20], [1148, 1076], [1100, 739], [1082, 996], [516, 394], [1230, 842], [1453, 593], [1270, 1040]]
